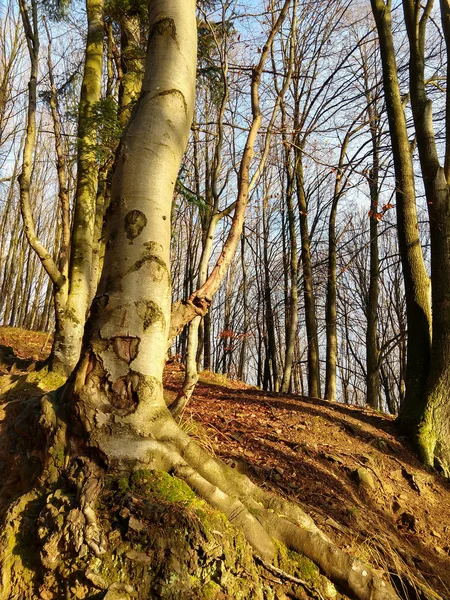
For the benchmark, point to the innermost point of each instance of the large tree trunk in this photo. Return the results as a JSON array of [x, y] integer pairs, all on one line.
[[127, 336], [417, 284], [433, 426]]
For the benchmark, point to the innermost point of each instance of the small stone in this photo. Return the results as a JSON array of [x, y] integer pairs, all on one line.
[[440, 551], [136, 525], [333, 458], [140, 557], [98, 580], [101, 418], [435, 533], [364, 478]]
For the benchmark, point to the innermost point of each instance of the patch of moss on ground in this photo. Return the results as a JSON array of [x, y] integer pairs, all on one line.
[[45, 379]]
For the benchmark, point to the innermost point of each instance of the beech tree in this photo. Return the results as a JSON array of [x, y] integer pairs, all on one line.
[[71, 274], [425, 412]]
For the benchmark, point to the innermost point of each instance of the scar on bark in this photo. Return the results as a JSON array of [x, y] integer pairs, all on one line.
[[126, 348], [149, 255], [163, 27], [135, 221], [150, 313], [177, 93]]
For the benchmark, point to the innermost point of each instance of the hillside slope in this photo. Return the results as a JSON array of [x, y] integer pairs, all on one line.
[[347, 466]]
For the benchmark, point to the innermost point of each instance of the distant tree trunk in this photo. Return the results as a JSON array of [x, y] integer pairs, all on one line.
[[245, 326], [331, 325], [372, 349], [372, 343], [271, 368], [292, 306], [207, 341], [308, 285]]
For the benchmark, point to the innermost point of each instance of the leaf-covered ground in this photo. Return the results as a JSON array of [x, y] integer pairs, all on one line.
[[351, 470]]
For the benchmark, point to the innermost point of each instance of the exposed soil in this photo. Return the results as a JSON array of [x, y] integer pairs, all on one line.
[[348, 467]]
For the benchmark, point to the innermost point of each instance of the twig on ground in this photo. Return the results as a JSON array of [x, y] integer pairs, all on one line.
[[288, 577]]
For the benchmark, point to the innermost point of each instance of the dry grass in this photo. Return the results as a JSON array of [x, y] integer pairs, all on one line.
[[198, 433]]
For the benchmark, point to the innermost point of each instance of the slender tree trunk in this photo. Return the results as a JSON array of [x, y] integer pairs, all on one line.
[[67, 348], [292, 308], [331, 324], [271, 374], [132, 65], [243, 351], [308, 286], [372, 349]]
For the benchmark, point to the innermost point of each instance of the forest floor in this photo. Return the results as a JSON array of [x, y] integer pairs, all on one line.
[[347, 466]]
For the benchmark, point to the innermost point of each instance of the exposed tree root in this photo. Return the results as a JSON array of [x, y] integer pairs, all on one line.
[[263, 517]]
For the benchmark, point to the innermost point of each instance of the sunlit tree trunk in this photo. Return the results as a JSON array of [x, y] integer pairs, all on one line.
[[308, 285], [132, 65], [67, 349], [434, 420], [127, 334], [417, 284], [372, 350], [331, 312], [271, 367], [245, 327]]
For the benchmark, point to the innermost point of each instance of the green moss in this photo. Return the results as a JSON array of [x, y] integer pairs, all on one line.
[[210, 590], [163, 486], [296, 564], [18, 556], [123, 484], [45, 379], [303, 568]]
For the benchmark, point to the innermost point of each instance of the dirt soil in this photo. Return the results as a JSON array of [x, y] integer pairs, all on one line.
[[348, 467]]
